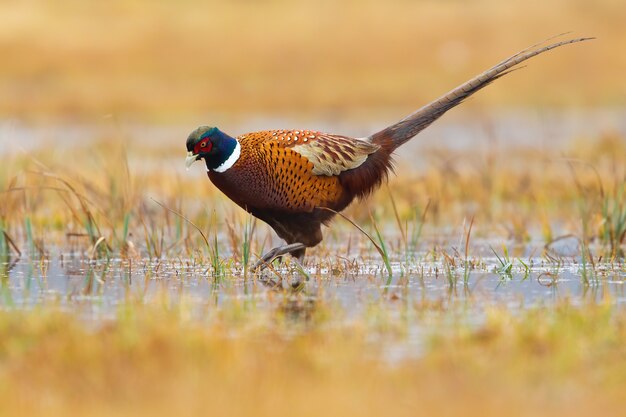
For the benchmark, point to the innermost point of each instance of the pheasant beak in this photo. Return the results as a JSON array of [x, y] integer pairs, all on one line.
[[191, 158]]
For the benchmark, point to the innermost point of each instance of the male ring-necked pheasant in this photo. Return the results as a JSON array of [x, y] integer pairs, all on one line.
[[288, 177]]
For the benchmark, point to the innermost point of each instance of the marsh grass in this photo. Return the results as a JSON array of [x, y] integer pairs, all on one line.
[[217, 264], [384, 253], [467, 263], [614, 220], [246, 244], [4, 246], [505, 264]]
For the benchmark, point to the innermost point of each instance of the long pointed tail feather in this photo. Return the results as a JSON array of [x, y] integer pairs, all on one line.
[[399, 133]]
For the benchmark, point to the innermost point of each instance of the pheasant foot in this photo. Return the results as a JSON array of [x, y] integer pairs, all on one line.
[[276, 252]]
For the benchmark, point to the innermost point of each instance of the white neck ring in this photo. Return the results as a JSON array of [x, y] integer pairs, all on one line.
[[234, 156]]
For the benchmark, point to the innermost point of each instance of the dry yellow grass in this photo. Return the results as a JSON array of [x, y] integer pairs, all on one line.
[[180, 60]]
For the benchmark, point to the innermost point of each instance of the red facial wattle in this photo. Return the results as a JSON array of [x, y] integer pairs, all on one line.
[[204, 146]]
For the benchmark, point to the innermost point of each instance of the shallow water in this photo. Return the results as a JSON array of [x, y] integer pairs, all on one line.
[[76, 282], [94, 291]]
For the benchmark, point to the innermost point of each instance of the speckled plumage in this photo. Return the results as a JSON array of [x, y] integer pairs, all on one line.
[[283, 176], [287, 177]]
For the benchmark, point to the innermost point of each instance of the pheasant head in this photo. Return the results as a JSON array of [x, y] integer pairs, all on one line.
[[219, 151]]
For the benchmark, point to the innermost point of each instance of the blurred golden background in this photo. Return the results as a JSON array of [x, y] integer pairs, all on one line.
[[179, 61]]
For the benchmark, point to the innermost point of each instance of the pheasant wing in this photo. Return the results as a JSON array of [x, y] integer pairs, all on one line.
[[333, 154]]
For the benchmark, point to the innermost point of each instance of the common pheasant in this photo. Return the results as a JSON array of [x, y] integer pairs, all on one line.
[[290, 178]]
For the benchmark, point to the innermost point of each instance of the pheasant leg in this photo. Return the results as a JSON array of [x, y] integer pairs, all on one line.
[[276, 252]]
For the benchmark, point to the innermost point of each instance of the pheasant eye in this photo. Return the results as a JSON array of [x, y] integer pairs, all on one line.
[[203, 144]]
